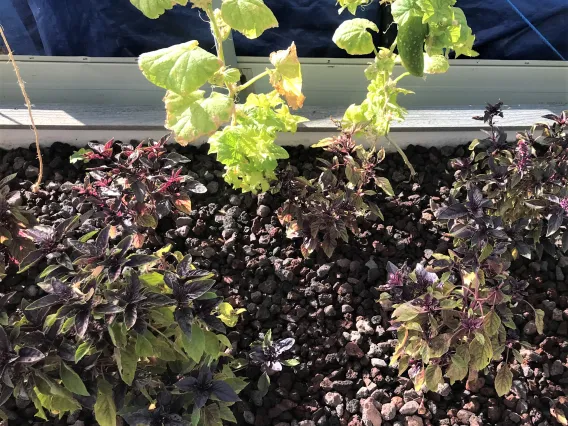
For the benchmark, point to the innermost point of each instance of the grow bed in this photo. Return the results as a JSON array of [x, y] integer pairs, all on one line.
[[328, 305]]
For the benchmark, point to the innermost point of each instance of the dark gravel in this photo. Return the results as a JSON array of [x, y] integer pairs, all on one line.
[[328, 305]]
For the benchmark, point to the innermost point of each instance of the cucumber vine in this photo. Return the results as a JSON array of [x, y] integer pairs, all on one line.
[[245, 145], [427, 31]]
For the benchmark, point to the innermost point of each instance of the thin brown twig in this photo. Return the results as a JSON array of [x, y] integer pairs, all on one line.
[[35, 187]]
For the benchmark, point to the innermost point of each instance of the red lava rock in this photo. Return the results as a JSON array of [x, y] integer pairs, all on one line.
[[397, 401], [475, 385], [472, 406], [510, 401], [355, 421], [326, 384], [463, 416], [370, 412], [353, 350], [414, 421], [494, 413]]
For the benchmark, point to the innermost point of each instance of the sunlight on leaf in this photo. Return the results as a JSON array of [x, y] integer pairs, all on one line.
[[249, 17], [353, 36], [287, 77], [182, 68]]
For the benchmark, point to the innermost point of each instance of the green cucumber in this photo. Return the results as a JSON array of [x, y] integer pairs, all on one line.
[[410, 43]]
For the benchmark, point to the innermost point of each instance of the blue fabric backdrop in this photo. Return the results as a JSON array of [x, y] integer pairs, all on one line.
[[116, 28]]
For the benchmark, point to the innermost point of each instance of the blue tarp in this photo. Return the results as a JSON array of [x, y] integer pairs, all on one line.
[[114, 28]]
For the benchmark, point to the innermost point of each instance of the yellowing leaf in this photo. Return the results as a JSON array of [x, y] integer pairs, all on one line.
[[433, 377], [435, 64], [211, 344], [249, 17], [558, 411], [287, 77], [457, 369], [352, 5], [403, 10], [154, 8], [436, 11], [439, 345], [146, 220], [503, 380], [228, 315], [406, 312], [481, 354], [126, 359], [143, 346], [72, 381], [192, 116], [491, 323], [105, 409], [353, 36], [385, 185], [82, 350], [183, 204], [196, 346], [182, 68], [539, 320]]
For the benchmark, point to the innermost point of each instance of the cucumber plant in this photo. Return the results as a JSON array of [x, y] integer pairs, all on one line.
[[245, 145], [428, 30]]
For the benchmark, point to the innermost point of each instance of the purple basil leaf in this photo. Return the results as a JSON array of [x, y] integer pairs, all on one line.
[[498, 233], [5, 395], [4, 299], [66, 226], [283, 345], [198, 288], [139, 190], [87, 249], [5, 345], [155, 299], [184, 318], [101, 242], [200, 399], [196, 273], [49, 300], [81, 323], [125, 244], [114, 273], [137, 260], [274, 366], [554, 223], [215, 323], [61, 289], [171, 279], [187, 384], [223, 391], [31, 259], [461, 231], [392, 268], [39, 233], [257, 355], [424, 277], [28, 355], [184, 267], [130, 316], [108, 309], [451, 212]]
